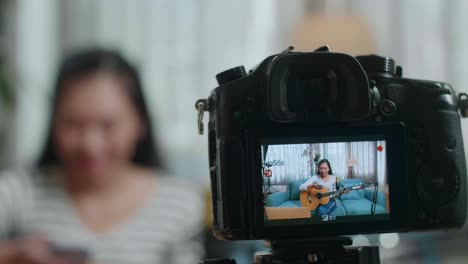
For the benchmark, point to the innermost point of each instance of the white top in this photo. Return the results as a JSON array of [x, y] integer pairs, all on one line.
[[330, 184], [165, 230]]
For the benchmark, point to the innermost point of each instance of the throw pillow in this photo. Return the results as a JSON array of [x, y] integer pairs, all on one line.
[[294, 189]]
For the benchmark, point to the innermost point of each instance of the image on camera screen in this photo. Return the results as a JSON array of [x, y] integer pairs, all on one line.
[[328, 182]]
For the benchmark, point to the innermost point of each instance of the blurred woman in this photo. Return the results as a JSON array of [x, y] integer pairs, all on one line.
[[99, 190]]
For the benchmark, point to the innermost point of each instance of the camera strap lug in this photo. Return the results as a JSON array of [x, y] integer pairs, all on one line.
[[463, 104], [287, 50], [201, 105], [323, 49]]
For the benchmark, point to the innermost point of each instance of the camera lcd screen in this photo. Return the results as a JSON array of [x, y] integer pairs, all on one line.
[[325, 182]]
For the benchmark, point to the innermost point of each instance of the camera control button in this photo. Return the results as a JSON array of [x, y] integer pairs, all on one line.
[[231, 75], [388, 108], [422, 215], [437, 184], [450, 143]]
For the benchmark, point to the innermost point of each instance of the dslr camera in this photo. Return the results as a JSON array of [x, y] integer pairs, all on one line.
[[392, 144]]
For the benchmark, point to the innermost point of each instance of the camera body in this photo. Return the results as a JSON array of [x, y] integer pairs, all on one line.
[[322, 99]]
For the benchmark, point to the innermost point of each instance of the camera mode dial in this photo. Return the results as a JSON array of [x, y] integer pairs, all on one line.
[[374, 64], [230, 75]]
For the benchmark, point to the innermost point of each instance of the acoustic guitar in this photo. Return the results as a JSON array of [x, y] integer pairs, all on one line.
[[310, 199], [315, 197]]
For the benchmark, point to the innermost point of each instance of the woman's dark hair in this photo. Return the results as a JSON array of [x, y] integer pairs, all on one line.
[[91, 62], [320, 163]]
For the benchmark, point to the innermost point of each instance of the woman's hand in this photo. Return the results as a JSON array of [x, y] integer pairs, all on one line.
[[314, 185], [36, 249]]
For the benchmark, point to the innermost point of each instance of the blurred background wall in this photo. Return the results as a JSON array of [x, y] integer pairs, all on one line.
[[179, 45]]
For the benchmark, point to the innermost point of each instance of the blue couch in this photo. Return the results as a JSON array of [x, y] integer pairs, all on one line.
[[356, 202]]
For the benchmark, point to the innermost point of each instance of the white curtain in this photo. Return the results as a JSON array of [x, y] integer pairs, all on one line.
[[369, 165], [381, 159], [296, 165], [177, 45], [335, 153], [364, 154]]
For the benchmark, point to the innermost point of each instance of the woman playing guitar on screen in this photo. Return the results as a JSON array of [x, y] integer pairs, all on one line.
[[323, 178]]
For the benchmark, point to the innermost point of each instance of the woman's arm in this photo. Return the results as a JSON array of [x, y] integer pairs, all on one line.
[[7, 252], [187, 246], [34, 249], [10, 203], [310, 181], [8, 249]]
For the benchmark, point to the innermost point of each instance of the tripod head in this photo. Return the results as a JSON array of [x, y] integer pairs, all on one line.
[[326, 250]]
